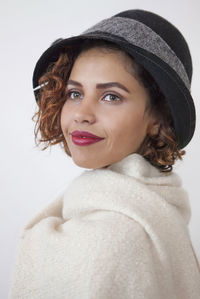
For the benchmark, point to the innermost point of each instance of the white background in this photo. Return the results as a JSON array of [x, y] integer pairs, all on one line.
[[29, 177]]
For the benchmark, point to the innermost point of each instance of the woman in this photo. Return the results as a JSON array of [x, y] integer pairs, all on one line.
[[117, 98]]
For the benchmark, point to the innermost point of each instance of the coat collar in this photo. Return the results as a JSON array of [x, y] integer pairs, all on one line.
[[122, 186]]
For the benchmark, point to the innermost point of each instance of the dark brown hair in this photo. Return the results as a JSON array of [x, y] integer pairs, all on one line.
[[160, 148]]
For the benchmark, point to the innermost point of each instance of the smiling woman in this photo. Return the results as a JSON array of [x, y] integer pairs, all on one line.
[[117, 99], [118, 120], [132, 111]]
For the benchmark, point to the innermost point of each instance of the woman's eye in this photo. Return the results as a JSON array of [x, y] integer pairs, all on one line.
[[113, 96], [72, 92]]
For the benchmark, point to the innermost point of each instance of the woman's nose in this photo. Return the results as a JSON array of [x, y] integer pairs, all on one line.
[[84, 112]]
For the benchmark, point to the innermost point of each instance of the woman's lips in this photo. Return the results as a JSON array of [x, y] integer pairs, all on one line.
[[84, 138], [84, 141]]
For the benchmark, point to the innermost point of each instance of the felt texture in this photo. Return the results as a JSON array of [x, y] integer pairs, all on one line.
[[119, 232], [140, 35]]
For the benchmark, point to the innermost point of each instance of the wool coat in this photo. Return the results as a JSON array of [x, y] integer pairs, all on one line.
[[119, 232]]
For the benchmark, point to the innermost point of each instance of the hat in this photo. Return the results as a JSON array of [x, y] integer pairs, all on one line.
[[157, 45]]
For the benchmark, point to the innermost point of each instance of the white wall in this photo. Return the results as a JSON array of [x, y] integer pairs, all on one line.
[[31, 178]]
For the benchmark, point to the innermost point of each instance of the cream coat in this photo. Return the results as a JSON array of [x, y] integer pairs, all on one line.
[[116, 233]]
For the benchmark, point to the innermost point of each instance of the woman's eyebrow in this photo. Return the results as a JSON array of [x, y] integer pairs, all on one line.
[[101, 85]]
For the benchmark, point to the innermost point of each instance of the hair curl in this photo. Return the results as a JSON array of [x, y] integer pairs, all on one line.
[[160, 149]]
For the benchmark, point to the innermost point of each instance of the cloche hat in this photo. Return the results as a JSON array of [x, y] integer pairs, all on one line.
[[157, 45]]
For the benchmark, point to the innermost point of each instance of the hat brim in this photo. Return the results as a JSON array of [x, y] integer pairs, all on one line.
[[176, 93]]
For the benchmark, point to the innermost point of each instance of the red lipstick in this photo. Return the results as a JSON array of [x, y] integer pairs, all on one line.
[[84, 138]]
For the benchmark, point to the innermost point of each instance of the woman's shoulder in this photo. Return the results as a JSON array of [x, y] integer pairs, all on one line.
[[109, 227]]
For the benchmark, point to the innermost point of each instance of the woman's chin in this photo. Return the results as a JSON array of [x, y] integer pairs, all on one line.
[[89, 164]]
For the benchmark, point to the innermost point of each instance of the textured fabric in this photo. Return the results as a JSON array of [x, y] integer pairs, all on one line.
[[119, 232], [138, 34]]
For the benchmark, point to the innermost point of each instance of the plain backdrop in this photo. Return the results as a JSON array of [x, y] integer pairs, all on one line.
[[29, 177]]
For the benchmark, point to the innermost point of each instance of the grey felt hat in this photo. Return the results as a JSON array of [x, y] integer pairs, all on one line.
[[157, 45]]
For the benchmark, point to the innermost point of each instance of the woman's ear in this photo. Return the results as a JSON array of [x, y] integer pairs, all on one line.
[[153, 128]]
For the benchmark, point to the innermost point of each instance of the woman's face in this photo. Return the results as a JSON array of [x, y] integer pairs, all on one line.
[[116, 114]]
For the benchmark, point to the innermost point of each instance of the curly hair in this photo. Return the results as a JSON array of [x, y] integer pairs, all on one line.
[[160, 148]]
